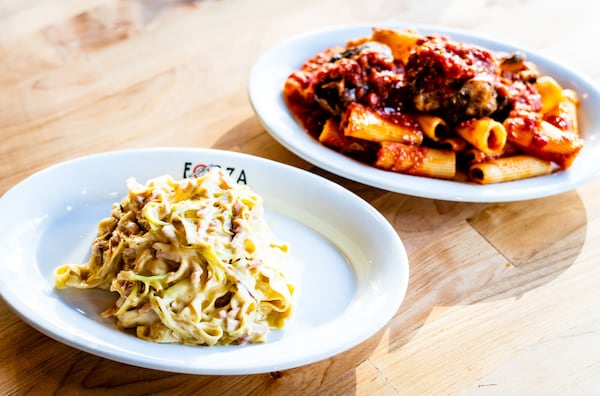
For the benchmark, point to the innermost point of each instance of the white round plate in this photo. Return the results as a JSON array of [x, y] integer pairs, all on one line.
[[270, 71], [349, 282]]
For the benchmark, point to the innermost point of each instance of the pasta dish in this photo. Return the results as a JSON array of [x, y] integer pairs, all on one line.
[[193, 261], [429, 106]]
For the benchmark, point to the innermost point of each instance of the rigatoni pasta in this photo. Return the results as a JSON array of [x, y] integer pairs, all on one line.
[[401, 101], [416, 160], [485, 134], [551, 93], [546, 141], [364, 123], [435, 128], [564, 114], [402, 43], [509, 168]]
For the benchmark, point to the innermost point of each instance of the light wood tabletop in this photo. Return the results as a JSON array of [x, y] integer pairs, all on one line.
[[503, 298]]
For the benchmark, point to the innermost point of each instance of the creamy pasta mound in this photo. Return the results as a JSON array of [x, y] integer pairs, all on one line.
[[193, 262]]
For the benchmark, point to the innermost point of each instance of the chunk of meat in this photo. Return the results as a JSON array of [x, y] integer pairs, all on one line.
[[477, 98], [454, 80], [515, 67], [365, 74]]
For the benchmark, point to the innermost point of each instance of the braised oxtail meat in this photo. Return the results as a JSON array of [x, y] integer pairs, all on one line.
[[514, 67], [457, 81], [365, 74]]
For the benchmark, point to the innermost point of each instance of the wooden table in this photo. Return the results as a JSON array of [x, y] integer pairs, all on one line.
[[503, 298]]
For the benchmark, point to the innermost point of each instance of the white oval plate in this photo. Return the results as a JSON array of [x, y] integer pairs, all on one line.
[[270, 71], [349, 282]]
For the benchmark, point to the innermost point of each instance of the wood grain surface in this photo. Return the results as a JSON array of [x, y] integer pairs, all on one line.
[[503, 299]]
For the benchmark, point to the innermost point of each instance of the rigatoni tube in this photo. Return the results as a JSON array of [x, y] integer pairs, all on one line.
[[416, 160], [485, 134], [509, 168], [364, 123]]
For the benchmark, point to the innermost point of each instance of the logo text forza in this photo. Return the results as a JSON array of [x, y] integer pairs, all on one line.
[[196, 170]]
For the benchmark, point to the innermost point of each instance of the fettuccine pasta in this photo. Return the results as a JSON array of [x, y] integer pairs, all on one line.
[[193, 262]]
